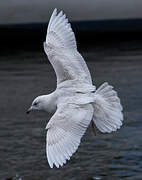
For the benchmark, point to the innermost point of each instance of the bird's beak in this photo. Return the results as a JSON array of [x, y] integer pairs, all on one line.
[[29, 110]]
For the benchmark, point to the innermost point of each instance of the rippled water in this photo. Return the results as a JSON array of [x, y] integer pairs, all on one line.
[[23, 76]]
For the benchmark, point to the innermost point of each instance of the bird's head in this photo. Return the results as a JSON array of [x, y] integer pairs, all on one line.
[[37, 104], [45, 102]]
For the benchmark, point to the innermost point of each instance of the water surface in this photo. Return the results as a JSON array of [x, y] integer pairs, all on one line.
[[25, 75]]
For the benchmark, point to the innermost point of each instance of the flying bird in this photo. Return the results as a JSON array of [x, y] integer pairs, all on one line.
[[76, 102]]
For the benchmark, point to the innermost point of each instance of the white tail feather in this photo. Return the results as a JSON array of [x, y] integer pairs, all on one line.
[[108, 115]]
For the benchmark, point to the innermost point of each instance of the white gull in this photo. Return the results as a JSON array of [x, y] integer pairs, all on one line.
[[75, 103]]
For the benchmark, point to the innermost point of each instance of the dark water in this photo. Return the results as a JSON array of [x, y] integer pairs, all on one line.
[[23, 76]]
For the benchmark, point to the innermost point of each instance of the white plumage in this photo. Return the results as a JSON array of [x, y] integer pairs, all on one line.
[[75, 102], [107, 109], [65, 130], [60, 46]]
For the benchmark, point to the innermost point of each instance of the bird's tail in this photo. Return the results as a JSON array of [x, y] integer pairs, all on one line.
[[108, 115]]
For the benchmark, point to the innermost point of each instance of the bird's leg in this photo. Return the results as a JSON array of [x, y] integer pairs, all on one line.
[[93, 127]]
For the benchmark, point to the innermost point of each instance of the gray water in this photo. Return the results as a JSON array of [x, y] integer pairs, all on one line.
[[25, 75]]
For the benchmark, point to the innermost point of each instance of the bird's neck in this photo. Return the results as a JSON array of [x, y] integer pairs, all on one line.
[[50, 103]]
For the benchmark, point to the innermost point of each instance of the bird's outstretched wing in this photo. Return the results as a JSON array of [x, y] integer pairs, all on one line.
[[64, 132], [60, 47]]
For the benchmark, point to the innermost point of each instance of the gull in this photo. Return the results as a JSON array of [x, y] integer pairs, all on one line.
[[76, 102]]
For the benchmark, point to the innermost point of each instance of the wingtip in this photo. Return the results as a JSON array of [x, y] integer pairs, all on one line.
[[55, 10], [54, 13], [51, 165], [61, 13], [49, 161]]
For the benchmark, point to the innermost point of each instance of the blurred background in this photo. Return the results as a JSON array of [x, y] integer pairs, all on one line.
[[109, 36], [15, 11]]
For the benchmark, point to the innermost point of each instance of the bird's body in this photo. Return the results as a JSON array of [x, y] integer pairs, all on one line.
[[75, 102]]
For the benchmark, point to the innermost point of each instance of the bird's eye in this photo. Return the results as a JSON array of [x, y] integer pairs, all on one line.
[[35, 104]]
